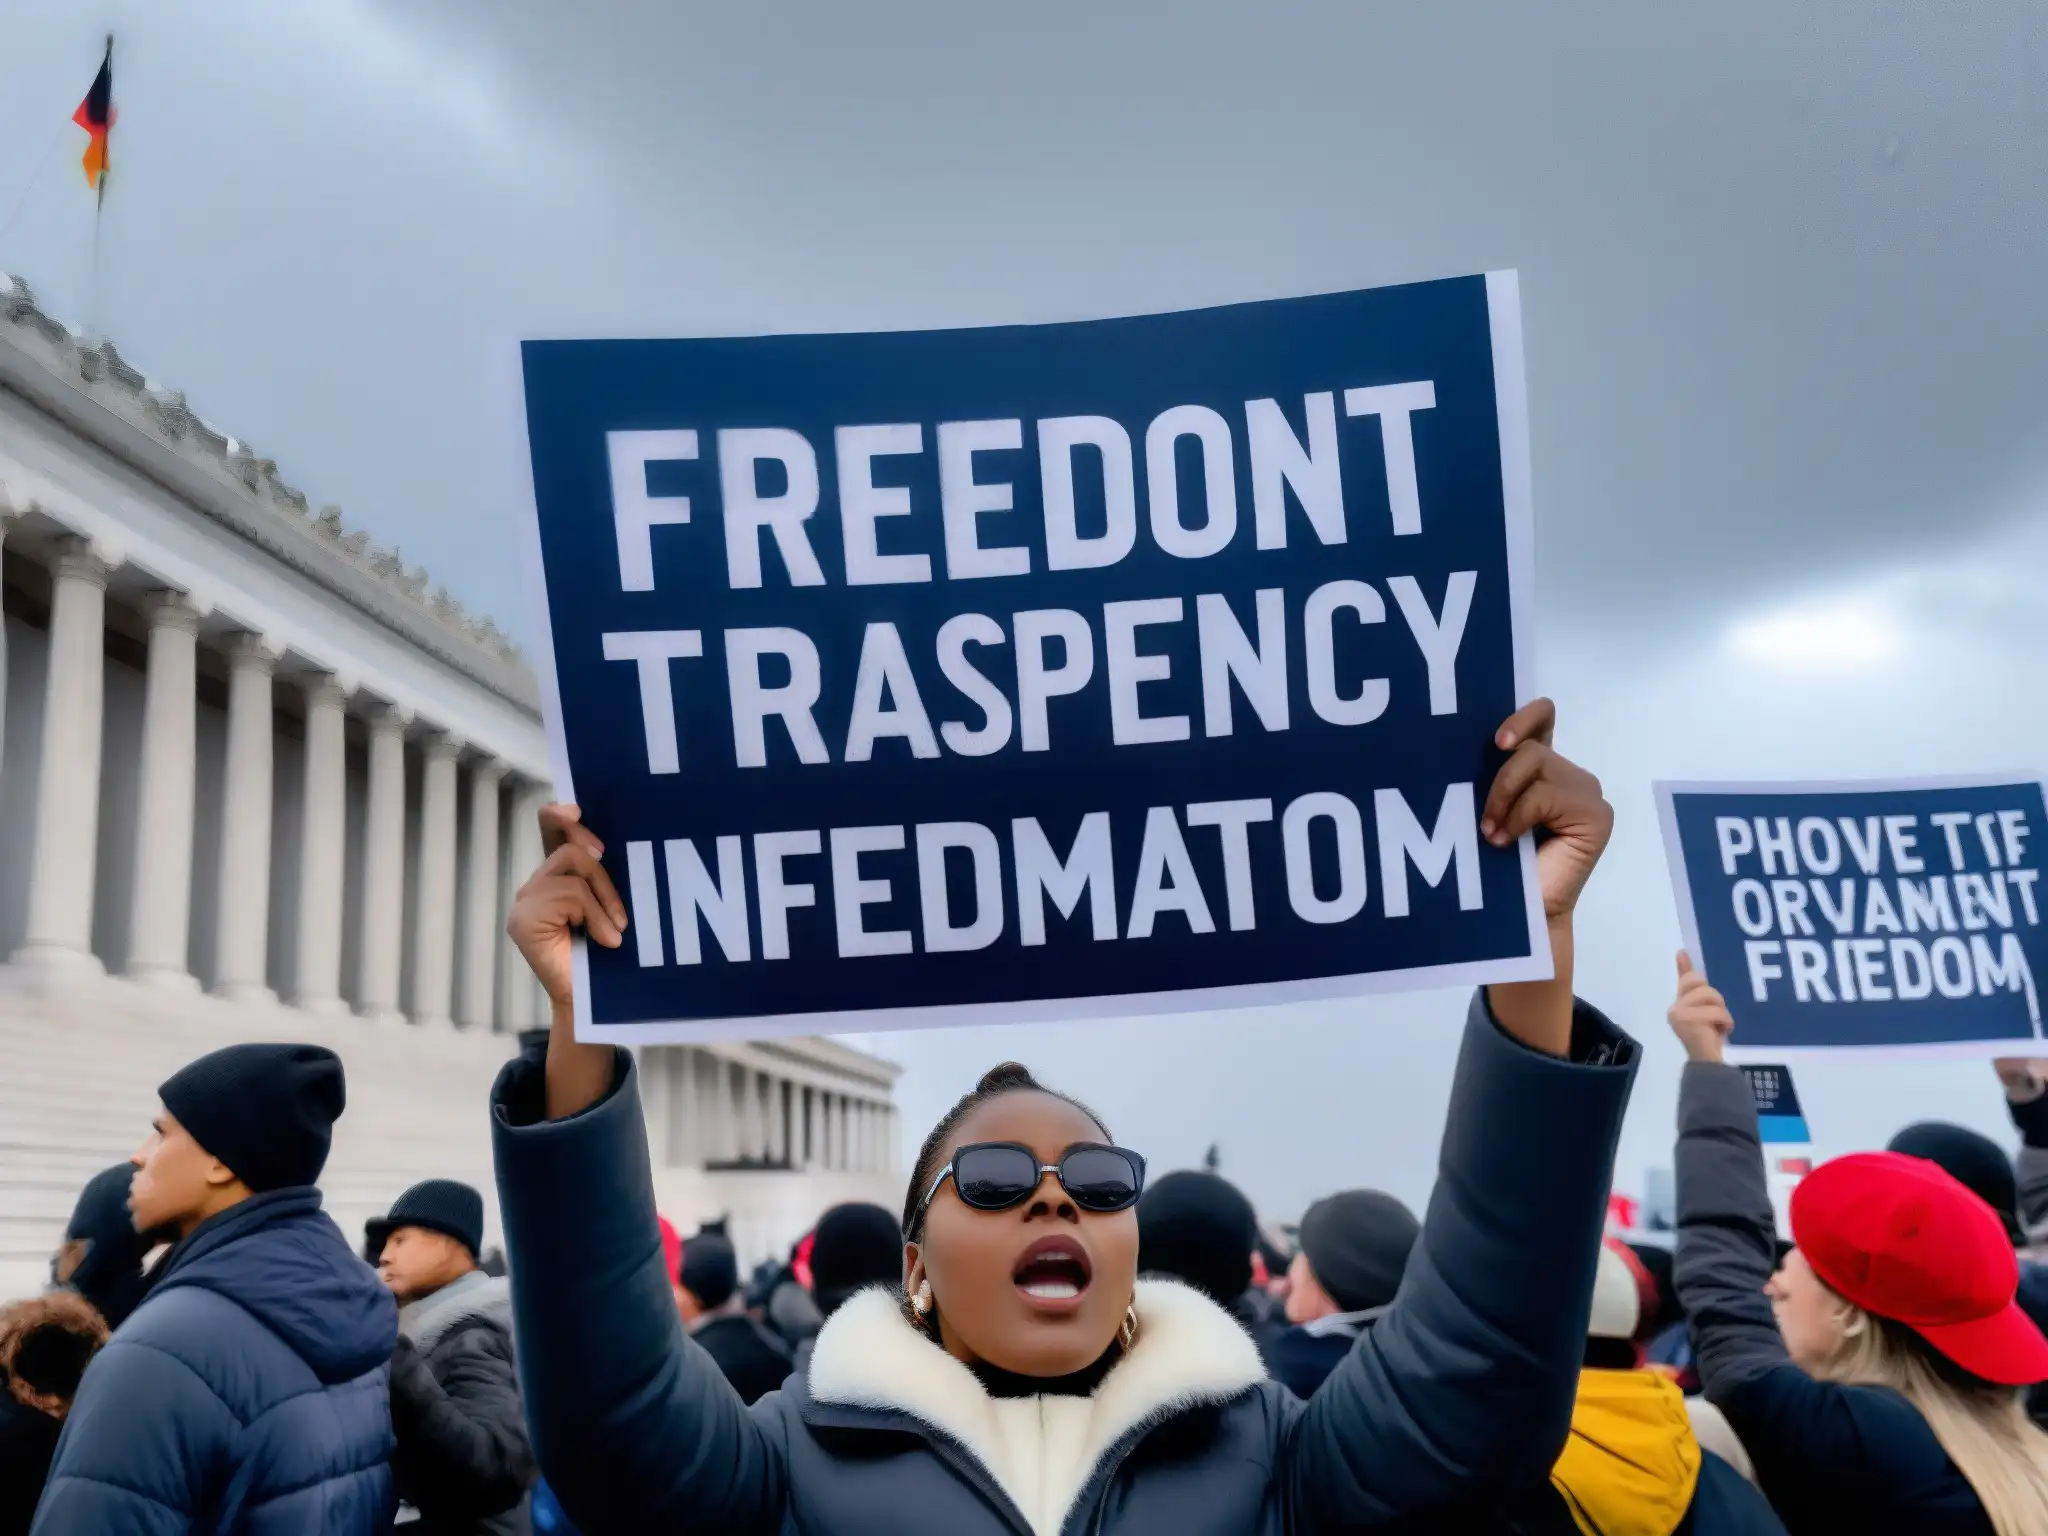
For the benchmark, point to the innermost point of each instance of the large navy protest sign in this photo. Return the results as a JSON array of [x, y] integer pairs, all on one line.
[[1040, 671], [1866, 914]]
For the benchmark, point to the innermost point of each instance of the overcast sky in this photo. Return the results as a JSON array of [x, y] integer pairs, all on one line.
[[1781, 270]]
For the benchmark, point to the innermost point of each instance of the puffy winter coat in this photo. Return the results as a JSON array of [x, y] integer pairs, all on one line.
[[1633, 1467], [463, 1463], [249, 1394], [1460, 1397], [1830, 1457]]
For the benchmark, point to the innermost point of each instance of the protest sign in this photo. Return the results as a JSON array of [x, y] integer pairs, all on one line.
[[1778, 1115], [1893, 913], [1040, 671]]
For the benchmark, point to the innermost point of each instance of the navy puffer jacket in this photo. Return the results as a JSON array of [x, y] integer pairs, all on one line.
[[1459, 1398], [249, 1395]]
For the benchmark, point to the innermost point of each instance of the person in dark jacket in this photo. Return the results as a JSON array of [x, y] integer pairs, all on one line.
[[1635, 1464], [1026, 1380], [855, 1246], [45, 1345], [709, 1301], [1354, 1250], [250, 1393], [1874, 1377], [103, 1255], [1198, 1228], [463, 1462], [2026, 1094]]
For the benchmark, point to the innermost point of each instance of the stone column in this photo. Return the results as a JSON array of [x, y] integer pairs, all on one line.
[[383, 893], [481, 922], [771, 1118], [656, 1106], [323, 827], [160, 913], [518, 995], [844, 1146], [688, 1124], [715, 1104], [814, 1135], [433, 955], [60, 878], [242, 933]]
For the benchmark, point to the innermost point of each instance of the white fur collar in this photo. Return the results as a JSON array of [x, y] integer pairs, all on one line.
[[1041, 1451]]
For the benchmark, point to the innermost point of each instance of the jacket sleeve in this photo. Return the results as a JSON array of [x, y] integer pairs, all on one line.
[[1800, 1433], [1461, 1394], [633, 1426], [462, 1450], [144, 1446]]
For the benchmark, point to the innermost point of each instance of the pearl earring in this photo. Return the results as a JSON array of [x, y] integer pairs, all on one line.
[[921, 1303]]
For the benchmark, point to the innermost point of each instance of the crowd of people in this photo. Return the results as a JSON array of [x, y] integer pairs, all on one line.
[[1045, 1339]]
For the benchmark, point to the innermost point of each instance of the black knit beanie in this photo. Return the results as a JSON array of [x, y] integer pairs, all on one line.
[[267, 1111], [710, 1270], [1357, 1243], [1199, 1228], [439, 1205], [1974, 1161], [856, 1245]]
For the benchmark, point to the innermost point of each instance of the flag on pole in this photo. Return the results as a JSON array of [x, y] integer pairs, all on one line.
[[95, 115]]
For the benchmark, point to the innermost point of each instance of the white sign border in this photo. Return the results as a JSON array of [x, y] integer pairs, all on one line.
[[1511, 411], [1666, 791]]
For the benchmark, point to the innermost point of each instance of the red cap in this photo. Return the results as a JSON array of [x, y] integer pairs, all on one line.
[[1905, 1241], [671, 1248]]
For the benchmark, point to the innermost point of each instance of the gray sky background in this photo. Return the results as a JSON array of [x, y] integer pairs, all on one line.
[[1781, 271]]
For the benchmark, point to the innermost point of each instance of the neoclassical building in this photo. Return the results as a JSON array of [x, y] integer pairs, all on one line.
[[260, 780]]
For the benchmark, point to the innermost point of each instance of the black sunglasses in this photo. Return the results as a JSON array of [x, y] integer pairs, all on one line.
[[996, 1175]]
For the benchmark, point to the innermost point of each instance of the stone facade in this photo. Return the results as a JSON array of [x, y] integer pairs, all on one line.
[[259, 779]]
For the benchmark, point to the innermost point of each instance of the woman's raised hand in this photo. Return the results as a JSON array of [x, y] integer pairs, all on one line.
[[1699, 1015], [1536, 787], [570, 890]]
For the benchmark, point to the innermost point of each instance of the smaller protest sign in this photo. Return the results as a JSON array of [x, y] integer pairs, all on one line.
[[1893, 913], [1778, 1116]]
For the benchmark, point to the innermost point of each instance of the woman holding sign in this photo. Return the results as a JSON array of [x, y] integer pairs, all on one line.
[[1875, 1378], [1024, 1379]]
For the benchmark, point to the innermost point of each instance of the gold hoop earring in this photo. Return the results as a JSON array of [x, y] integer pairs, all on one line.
[[1127, 1335]]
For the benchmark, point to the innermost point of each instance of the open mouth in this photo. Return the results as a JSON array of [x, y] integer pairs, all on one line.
[[1052, 1270]]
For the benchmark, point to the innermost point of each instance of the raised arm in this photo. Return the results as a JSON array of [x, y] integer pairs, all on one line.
[[1461, 1394], [633, 1425], [1789, 1422]]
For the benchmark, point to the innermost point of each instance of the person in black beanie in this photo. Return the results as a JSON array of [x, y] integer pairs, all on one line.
[[249, 1394], [708, 1296], [463, 1462], [855, 1246], [102, 1255], [1199, 1229], [1354, 1250]]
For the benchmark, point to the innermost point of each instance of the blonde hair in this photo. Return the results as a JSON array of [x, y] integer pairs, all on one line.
[[1983, 1426]]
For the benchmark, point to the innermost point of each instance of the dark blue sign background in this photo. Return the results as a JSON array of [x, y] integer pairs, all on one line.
[[1127, 369], [1997, 1012]]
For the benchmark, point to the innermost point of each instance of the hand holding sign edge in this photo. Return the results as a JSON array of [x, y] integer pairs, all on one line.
[[1538, 788], [570, 890]]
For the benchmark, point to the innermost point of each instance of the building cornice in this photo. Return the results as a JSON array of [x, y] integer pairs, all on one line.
[[90, 388]]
